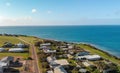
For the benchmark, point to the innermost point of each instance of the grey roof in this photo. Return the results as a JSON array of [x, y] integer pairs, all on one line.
[[59, 69], [2, 49], [6, 59]]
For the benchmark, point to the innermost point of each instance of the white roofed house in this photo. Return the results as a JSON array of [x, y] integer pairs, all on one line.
[[7, 59], [2, 49], [70, 46], [89, 57], [49, 51], [62, 62], [5, 63], [45, 44], [20, 45], [16, 50], [50, 59], [3, 66]]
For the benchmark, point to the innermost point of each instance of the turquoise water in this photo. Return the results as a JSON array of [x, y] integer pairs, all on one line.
[[105, 37]]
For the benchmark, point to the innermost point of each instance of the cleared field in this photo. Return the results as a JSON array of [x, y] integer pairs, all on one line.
[[30, 39], [104, 55]]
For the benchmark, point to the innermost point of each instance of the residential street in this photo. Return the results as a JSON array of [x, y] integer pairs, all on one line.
[[34, 56]]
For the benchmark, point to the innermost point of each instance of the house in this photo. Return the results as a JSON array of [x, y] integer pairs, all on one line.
[[1, 69], [53, 64], [8, 44], [89, 57], [87, 64], [2, 49], [43, 47], [62, 62], [65, 49], [20, 45], [69, 56], [45, 44], [49, 51], [82, 53], [50, 59], [59, 69], [70, 46], [16, 50], [7, 59], [82, 70], [50, 71], [3, 66]]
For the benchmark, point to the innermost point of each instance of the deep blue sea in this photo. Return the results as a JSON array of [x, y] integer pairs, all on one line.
[[105, 37]]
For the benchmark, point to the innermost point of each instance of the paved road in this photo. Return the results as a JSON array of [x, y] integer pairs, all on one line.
[[34, 56]]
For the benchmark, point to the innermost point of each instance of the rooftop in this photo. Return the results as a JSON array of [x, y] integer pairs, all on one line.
[[62, 62], [59, 69]]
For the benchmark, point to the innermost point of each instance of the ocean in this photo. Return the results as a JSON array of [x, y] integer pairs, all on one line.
[[105, 37]]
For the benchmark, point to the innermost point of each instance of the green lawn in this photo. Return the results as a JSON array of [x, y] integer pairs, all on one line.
[[21, 55], [4, 39], [104, 55], [13, 40]]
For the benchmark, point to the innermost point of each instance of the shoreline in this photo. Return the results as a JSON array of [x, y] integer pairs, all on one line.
[[87, 44], [96, 48]]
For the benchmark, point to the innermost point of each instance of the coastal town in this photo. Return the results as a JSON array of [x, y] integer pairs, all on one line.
[[29, 54]]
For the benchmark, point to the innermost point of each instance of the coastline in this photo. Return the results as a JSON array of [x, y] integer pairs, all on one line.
[[96, 48], [87, 44]]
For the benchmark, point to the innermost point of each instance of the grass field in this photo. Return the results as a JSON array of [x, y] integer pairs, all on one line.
[[21, 55], [13, 40], [30, 39], [4, 39], [104, 55]]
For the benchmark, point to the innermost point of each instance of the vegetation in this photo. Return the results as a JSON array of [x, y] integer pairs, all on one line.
[[12, 40], [104, 55]]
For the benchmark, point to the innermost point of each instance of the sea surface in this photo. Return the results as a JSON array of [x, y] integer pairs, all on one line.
[[107, 38]]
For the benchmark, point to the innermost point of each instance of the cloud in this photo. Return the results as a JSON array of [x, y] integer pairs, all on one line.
[[8, 4], [34, 10], [8, 21]]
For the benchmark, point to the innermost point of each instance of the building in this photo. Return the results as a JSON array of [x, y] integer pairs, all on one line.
[[62, 62], [89, 57], [7, 59], [49, 51], [50, 59], [59, 69], [16, 50], [43, 47], [87, 64], [82, 53], [70, 46], [45, 44], [2, 49], [20, 45], [5, 63], [50, 71], [3, 66], [82, 70]]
